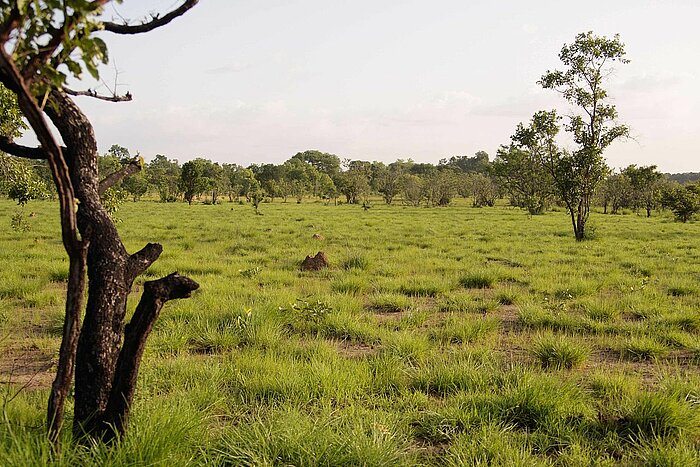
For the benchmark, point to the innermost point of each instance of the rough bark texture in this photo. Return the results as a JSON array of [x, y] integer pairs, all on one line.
[[155, 294], [66, 357], [111, 271], [105, 370], [74, 246]]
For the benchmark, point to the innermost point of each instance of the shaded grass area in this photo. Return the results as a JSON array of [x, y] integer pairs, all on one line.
[[454, 336]]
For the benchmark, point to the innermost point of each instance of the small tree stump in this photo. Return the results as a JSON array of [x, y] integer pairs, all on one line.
[[315, 263]]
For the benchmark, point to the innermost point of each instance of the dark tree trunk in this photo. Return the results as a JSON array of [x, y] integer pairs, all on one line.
[[111, 271], [66, 357], [581, 218], [105, 371]]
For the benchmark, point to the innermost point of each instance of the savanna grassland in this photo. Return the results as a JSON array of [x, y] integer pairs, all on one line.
[[443, 336]]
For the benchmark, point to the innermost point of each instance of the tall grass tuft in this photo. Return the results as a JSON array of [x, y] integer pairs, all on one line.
[[560, 352]]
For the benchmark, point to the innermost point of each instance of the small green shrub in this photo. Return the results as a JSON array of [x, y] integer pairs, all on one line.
[[350, 285], [455, 302], [422, 287], [681, 291], [600, 311], [313, 311], [250, 272]]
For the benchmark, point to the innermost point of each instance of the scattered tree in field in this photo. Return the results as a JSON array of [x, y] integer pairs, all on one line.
[[440, 187], [577, 173], [136, 185], [51, 41], [164, 175], [645, 186], [298, 176], [19, 181], [111, 162], [615, 192], [411, 189], [217, 181], [354, 181], [256, 195], [682, 200], [194, 180], [526, 180], [270, 177], [326, 187], [481, 188], [323, 162], [479, 163], [387, 180], [17, 178]]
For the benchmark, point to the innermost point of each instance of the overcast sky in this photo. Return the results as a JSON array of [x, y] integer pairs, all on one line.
[[258, 81]]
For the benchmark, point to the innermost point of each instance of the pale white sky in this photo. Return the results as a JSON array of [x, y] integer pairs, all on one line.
[[258, 81]]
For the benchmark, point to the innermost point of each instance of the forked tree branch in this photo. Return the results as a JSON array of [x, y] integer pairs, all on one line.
[[156, 21], [90, 93], [155, 295], [132, 167]]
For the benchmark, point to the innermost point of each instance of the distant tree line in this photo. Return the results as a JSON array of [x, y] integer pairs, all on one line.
[[514, 174]]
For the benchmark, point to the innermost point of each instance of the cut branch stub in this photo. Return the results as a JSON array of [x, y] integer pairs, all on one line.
[[155, 294], [142, 259]]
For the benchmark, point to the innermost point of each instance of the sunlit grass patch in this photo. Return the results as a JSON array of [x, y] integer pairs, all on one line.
[[477, 280], [464, 329], [423, 286], [654, 416], [642, 348], [390, 303], [561, 352], [456, 302], [356, 261]]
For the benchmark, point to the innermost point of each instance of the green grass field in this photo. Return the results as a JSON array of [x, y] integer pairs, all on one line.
[[444, 336]]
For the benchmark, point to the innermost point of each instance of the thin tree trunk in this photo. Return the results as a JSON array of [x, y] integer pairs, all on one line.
[[66, 357]]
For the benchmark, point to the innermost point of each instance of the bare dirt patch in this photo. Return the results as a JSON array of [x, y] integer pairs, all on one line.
[[355, 349], [29, 367]]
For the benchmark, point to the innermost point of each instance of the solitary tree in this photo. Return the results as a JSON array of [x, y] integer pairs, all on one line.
[[42, 43], [592, 123], [411, 189]]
